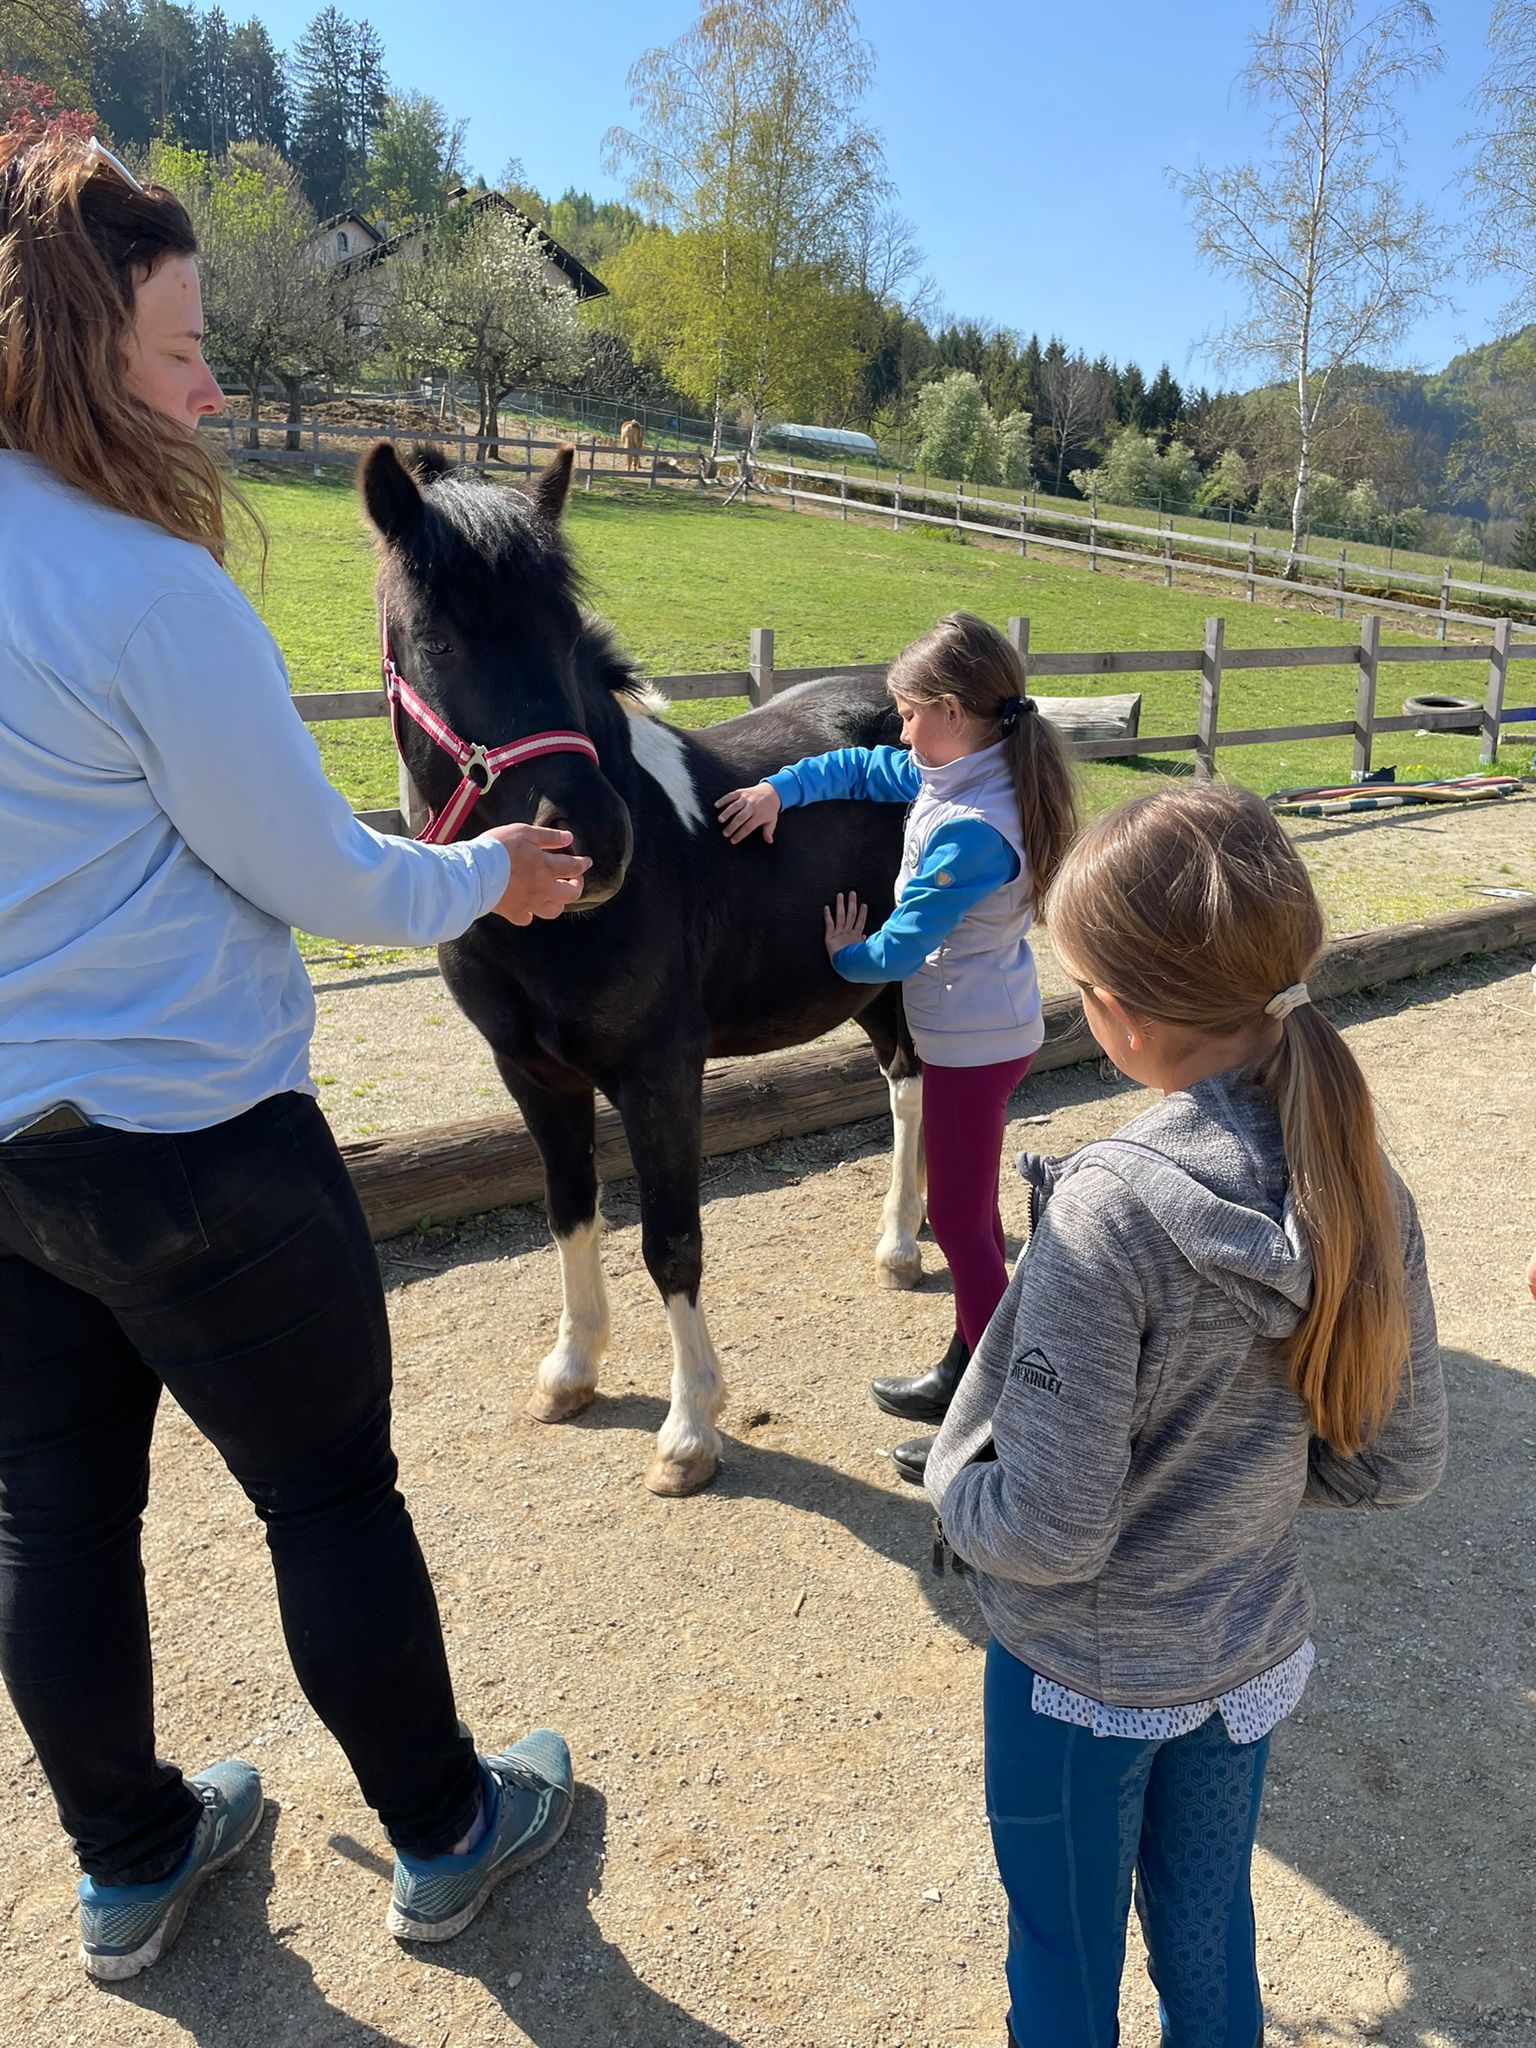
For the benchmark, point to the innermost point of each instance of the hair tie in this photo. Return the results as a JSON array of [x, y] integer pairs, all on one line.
[[1288, 999], [1009, 716]]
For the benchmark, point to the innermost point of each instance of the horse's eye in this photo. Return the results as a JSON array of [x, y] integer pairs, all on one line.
[[435, 650]]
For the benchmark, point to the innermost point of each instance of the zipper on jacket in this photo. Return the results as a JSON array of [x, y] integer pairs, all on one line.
[[943, 1549]]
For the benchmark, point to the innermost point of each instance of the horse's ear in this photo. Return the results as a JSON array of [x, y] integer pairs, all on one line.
[[429, 462], [552, 484], [391, 494]]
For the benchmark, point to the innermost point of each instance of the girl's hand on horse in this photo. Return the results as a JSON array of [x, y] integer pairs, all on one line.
[[845, 925], [745, 811], [545, 879]]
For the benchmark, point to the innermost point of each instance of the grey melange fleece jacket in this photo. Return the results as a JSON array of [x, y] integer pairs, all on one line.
[[1135, 1538]]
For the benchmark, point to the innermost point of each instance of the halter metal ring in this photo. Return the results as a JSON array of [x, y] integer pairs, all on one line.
[[480, 761]]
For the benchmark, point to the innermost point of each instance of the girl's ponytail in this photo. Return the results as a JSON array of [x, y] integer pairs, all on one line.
[[1195, 910], [965, 658], [1042, 781], [1346, 1359]]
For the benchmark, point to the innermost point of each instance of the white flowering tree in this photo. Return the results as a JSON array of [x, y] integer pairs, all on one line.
[[1015, 449], [956, 433], [480, 302]]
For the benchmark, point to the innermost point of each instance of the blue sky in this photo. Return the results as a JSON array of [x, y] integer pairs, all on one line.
[[1027, 142]]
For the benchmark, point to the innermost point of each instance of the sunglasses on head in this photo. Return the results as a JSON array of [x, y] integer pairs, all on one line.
[[96, 148]]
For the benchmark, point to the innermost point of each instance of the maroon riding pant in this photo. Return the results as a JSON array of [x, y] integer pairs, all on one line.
[[964, 1111]]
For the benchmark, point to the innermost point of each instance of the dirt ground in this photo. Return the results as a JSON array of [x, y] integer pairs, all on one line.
[[775, 1707]]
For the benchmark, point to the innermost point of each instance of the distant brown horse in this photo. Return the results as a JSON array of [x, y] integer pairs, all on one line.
[[632, 440]]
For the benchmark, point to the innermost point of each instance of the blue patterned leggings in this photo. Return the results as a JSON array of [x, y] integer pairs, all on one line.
[[1074, 1817]]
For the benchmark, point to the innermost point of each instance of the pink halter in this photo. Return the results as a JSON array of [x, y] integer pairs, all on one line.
[[480, 766]]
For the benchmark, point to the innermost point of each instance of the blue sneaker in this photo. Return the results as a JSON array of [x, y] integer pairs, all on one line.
[[126, 1927], [528, 1798]]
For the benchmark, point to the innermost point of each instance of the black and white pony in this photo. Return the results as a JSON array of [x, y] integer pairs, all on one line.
[[683, 947]]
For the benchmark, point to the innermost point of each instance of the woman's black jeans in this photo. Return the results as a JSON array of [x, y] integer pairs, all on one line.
[[231, 1266]]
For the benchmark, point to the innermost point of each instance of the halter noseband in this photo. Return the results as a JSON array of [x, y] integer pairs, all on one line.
[[479, 766]]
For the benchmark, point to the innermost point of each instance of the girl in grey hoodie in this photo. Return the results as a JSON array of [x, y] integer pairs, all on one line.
[[1222, 1315]]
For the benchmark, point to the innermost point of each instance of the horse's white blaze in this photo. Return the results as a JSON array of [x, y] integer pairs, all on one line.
[[688, 1436], [897, 1256], [661, 753], [571, 1367]]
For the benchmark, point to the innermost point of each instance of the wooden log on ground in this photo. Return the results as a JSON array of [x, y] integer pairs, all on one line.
[[460, 1169], [1093, 718]]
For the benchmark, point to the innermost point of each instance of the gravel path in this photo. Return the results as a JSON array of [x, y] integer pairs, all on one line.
[[774, 1707]]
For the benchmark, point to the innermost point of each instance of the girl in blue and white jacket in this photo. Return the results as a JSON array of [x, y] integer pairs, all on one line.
[[991, 815]]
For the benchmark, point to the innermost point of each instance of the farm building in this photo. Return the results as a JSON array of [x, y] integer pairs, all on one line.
[[361, 250]]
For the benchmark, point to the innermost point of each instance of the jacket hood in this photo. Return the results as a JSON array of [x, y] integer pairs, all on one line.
[[1209, 1166]]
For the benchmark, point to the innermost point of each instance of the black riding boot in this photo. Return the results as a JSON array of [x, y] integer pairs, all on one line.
[[927, 1397]]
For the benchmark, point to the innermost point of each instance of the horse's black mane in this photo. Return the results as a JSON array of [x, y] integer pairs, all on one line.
[[477, 539]]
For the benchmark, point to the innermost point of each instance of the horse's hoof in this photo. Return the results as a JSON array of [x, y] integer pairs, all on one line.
[[557, 1404], [674, 1477], [902, 1270]]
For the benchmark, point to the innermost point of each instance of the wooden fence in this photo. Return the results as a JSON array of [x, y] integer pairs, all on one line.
[[760, 679], [1170, 547], [1028, 527]]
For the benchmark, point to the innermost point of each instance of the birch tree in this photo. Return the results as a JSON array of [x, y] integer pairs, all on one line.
[[749, 149], [1501, 180], [1335, 260]]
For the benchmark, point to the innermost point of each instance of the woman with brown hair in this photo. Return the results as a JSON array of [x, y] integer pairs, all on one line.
[[173, 1210]]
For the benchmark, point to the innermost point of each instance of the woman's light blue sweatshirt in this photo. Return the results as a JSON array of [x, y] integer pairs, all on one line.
[[164, 823]]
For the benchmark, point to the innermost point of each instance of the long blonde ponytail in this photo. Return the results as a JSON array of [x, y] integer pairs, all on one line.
[[1193, 907]]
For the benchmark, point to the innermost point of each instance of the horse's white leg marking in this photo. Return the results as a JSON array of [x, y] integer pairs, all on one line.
[[688, 1444], [567, 1378], [897, 1256]]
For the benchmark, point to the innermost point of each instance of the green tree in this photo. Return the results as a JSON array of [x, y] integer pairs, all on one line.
[[956, 434], [1130, 474], [272, 311], [259, 108], [1015, 449], [1522, 549], [339, 90], [1227, 482], [1333, 259], [416, 158]]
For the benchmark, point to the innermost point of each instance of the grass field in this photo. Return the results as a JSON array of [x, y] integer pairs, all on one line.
[[683, 581]]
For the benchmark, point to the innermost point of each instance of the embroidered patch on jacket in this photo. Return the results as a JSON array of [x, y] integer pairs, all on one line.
[[944, 878], [1036, 1370]]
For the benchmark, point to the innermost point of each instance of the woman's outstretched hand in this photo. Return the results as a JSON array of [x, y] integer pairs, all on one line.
[[845, 925], [744, 811], [545, 879]]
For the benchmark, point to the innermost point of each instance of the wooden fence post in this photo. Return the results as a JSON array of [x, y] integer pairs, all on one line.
[[896, 521], [314, 433], [845, 494], [1168, 558], [1445, 602], [234, 444], [1338, 601], [959, 488], [1365, 695], [1493, 703], [1210, 700], [760, 662], [1253, 550], [591, 459], [1023, 544], [655, 458], [790, 474], [463, 448], [1018, 639], [1093, 540]]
